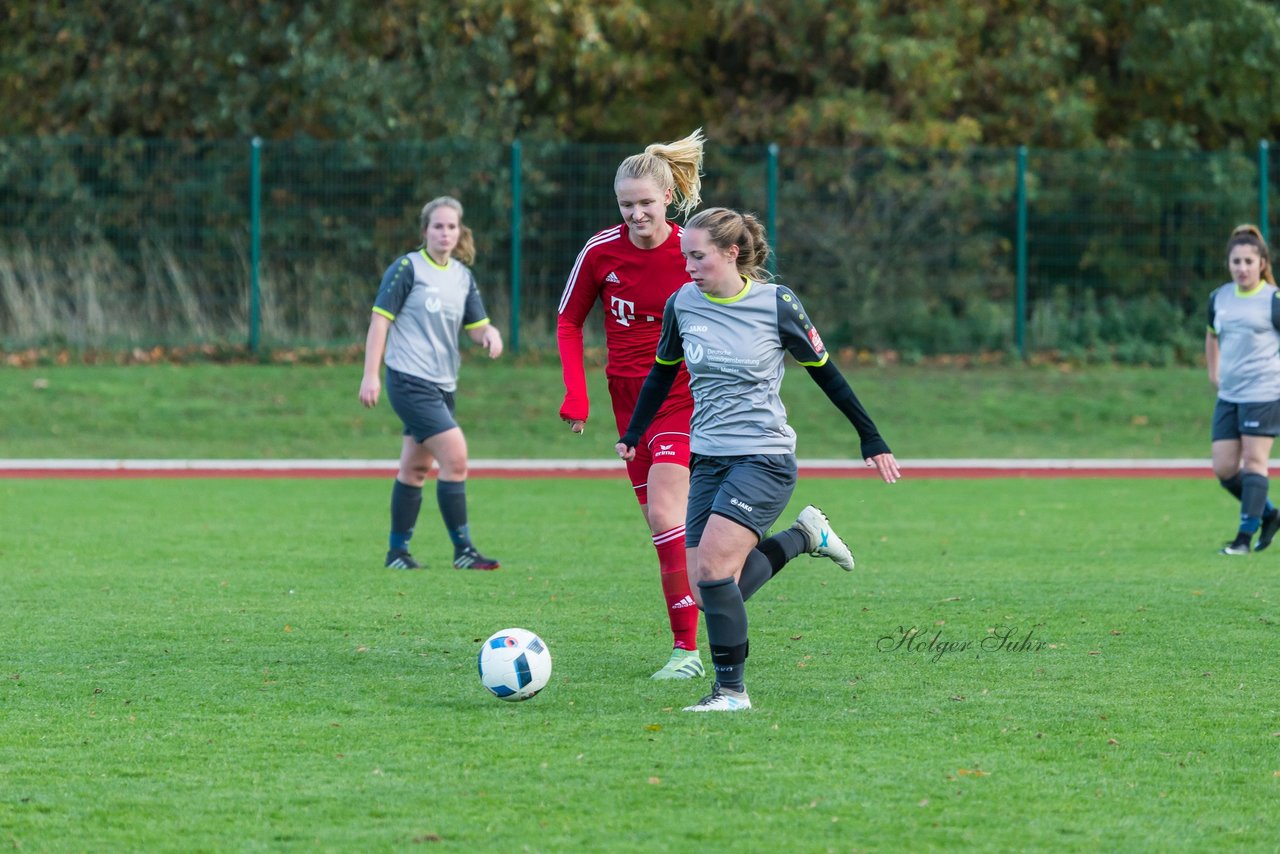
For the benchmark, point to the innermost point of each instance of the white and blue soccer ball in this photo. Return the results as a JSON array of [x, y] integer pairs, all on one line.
[[514, 664]]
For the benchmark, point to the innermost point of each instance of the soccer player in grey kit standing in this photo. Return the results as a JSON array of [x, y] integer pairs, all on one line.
[[425, 299], [1242, 352], [731, 328]]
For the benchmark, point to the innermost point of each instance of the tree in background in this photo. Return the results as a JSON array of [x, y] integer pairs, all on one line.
[[1188, 74]]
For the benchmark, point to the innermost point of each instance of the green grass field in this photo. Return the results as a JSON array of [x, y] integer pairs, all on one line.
[[203, 665], [1025, 664], [509, 409]]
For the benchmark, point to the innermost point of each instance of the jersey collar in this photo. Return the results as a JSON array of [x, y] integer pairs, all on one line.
[[746, 289]]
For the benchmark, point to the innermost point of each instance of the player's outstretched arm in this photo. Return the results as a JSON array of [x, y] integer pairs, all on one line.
[[875, 451]]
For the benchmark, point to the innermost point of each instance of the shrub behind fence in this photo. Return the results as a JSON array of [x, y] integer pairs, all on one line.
[[121, 243]]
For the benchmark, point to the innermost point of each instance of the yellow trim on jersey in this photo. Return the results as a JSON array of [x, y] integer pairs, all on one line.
[[668, 362], [1211, 331], [382, 311], [817, 364], [746, 289], [481, 322], [1251, 292], [432, 261]]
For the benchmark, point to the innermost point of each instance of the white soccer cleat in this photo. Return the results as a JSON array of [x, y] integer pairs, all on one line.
[[721, 700], [684, 664], [823, 542]]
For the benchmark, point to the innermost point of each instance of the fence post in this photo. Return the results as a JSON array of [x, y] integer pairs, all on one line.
[[515, 245], [771, 205], [255, 241], [1264, 186], [1020, 308]]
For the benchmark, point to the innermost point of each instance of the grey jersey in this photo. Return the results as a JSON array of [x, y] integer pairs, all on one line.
[[1248, 331], [427, 304], [733, 349]]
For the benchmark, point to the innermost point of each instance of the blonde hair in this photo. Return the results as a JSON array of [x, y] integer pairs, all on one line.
[[465, 251], [1250, 235], [674, 166], [725, 228]]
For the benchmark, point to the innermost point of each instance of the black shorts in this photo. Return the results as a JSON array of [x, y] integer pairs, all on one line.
[[752, 491], [1233, 420], [424, 407]]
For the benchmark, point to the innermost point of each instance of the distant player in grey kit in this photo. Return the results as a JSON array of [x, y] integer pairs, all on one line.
[[425, 299], [1242, 352], [731, 329]]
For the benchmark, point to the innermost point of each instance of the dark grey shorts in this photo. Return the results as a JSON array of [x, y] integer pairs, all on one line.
[[423, 406], [1233, 420], [752, 491]]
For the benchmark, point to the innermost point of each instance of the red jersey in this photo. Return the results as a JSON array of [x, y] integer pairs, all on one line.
[[633, 285]]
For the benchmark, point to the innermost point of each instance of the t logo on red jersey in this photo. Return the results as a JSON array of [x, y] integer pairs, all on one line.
[[623, 310]]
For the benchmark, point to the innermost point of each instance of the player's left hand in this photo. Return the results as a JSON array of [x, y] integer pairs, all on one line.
[[492, 342], [887, 466], [625, 451]]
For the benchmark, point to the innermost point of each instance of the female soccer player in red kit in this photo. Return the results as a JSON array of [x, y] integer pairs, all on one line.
[[631, 269]]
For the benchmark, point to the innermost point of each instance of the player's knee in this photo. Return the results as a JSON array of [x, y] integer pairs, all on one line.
[[412, 477], [453, 469]]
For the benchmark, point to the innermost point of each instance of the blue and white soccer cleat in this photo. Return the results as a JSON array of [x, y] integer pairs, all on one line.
[[721, 700], [823, 542]]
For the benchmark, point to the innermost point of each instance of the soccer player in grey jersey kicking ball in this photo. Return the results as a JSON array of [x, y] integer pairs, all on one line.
[[1242, 352], [731, 329]]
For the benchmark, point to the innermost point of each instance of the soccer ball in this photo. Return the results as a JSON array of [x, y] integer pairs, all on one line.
[[514, 664]]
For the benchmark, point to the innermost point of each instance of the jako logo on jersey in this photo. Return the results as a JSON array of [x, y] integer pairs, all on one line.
[[815, 339], [695, 329], [433, 304], [736, 503], [1249, 424], [693, 353], [613, 277], [624, 310]]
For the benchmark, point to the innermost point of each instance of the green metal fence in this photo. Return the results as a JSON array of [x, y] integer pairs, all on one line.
[[1101, 254]]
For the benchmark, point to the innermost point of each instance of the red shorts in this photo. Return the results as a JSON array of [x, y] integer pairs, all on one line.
[[666, 440]]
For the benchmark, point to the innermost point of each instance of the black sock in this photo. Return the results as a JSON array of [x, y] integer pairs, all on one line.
[[755, 572], [783, 546], [406, 501], [726, 619], [1232, 485], [768, 558], [451, 495], [1253, 499]]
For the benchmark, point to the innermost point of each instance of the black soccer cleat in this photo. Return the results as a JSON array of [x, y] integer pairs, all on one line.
[[1270, 525], [1238, 546], [401, 560], [469, 558]]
